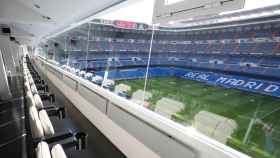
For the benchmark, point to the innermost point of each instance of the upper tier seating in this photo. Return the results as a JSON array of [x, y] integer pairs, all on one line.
[[249, 49]]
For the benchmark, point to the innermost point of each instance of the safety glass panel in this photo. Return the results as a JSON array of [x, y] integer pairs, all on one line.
[[205, 79]]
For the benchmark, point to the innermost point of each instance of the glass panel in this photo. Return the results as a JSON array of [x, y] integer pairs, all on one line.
[[100, 54], [203, 78], [185, 81], [133, 75]]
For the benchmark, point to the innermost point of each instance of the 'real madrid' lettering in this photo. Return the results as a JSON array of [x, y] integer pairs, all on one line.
[[250, 85], [203, 77], [236, 82], [271, 88], [191, 74], [259, 86], [221, 80], [230, 81]]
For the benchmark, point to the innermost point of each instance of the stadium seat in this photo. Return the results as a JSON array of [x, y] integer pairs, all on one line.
[[97, 79], [82, 73], [46, 123], [35, 123], [88, 76], [109, 84], [38, 101], [30, 99], [34, 89], [26, 86], [228, 44], [58, 152], [43, 150]]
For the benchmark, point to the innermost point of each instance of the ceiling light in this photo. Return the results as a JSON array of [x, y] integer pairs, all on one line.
[[171, 22], [37, 6], [277, 11], [46, 17]]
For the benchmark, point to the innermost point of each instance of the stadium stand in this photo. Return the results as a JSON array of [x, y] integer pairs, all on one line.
[[250, 49]]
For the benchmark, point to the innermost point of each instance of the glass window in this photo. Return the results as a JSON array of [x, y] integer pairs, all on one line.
[[194, 78]]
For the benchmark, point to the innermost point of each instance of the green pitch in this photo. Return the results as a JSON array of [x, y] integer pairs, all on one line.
[[235, 104]]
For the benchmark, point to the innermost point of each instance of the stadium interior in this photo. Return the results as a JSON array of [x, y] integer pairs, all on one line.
[[198, 79]]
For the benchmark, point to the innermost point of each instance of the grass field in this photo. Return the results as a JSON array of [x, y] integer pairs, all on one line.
[[235, 104]]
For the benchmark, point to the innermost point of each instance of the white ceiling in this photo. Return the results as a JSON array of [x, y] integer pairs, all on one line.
[[29, 23], [139, 11]]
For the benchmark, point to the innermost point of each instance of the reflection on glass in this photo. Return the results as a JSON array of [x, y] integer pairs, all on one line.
[[201, 78]]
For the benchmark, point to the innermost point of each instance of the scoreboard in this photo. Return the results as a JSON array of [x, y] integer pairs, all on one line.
[[123, 24]]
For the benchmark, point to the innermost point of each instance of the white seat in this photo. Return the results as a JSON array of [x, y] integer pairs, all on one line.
[[33, 89], [25, 79], [43, 150], [109, 83], [46, 123], [35, 123], [29, 76], [30, 99], [88, 75], [24, 66], [58, 152], [25, 70], [26, 86], [73, 70], [97, 79], [38, 101], [82, 73], [31, 81]]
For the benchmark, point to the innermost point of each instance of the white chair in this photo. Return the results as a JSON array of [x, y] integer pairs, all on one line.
[[88, 76], [82, 73], [26, 86], [58, 152], [25, 78], [35, 123], [43, 150], [33, 89], [97, 79], [30, 99], [31, 81], [38, 101], [46, 123]]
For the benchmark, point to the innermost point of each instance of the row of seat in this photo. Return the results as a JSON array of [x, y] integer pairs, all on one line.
[[43, 151], [39, 120], [42, 130], [96, 79], [209, 48], [253, 30], [268, 66]]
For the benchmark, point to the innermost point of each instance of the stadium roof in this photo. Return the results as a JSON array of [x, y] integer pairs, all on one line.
[[267, 14], [243, 15], [142, 10]]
